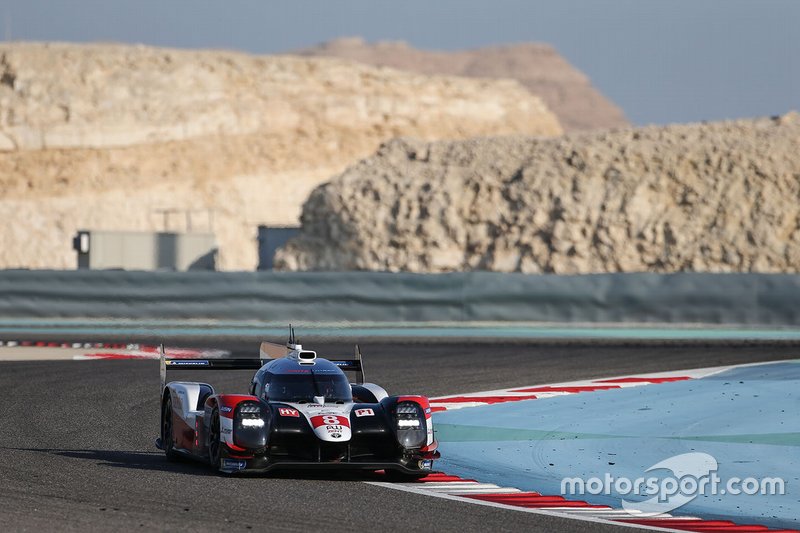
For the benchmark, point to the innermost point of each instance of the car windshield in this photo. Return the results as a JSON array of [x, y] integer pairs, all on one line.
[[303, 387]]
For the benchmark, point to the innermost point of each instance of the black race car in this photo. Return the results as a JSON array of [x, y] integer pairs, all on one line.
[[301, 412]]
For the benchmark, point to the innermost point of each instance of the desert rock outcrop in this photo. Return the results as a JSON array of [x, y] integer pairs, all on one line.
[[108, 136], [565, 89], [717, 197]]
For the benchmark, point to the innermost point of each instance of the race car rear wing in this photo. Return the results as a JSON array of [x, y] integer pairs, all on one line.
[[351, 365], [267, 352], [166, 363]]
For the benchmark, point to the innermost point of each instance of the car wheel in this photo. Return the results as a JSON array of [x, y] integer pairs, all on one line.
[[214, 444], [167, 434]]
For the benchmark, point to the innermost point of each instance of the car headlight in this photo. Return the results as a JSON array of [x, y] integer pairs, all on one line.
[[249, 426], [410, 418], [250, 409]]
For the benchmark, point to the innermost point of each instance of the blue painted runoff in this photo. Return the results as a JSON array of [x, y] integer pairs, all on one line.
[[745, 418]]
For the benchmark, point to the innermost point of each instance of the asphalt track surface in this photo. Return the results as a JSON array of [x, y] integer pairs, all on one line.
[[76, 441]]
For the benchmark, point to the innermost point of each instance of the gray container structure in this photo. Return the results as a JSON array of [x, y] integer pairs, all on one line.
[[270, 238], [133, 250]]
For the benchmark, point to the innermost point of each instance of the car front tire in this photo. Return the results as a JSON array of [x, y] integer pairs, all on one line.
[[214, 441], [167, 432]]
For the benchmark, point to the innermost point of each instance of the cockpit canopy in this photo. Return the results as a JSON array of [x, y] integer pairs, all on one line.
[[304, 387], [293, 381]]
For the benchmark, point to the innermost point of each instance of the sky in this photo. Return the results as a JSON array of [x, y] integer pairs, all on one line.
[[662, 61]]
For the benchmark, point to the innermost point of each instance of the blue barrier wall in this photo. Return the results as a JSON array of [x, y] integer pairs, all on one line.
[[753, 299]]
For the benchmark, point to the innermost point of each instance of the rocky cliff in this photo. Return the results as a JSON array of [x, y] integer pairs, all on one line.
[[565, 89], [108, 136], [717, 197]]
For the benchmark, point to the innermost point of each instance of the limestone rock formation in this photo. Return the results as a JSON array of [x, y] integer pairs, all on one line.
[[107, 136], [719, 197], [565, 89]]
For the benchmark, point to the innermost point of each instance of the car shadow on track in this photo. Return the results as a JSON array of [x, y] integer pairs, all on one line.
[[127, 459], [155, 461]]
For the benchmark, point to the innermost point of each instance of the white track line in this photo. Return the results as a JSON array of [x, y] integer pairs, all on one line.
[[414, 487], [515, 392]]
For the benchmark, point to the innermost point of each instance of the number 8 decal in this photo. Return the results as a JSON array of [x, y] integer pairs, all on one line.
[[329, 420]]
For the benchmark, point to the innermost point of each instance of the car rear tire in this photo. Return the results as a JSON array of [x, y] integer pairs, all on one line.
[[167, 432], [214, 441]]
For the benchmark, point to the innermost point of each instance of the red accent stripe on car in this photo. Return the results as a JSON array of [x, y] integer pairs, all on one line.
[[422, 401], [237, 449], [231, 401]]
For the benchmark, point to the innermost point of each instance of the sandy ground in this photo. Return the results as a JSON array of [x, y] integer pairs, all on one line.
[[30, 353]]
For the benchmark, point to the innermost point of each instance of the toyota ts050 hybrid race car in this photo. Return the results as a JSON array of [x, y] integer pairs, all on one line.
[[301, 412]]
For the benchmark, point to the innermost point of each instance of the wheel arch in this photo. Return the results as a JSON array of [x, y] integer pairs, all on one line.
[[369, 392]]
